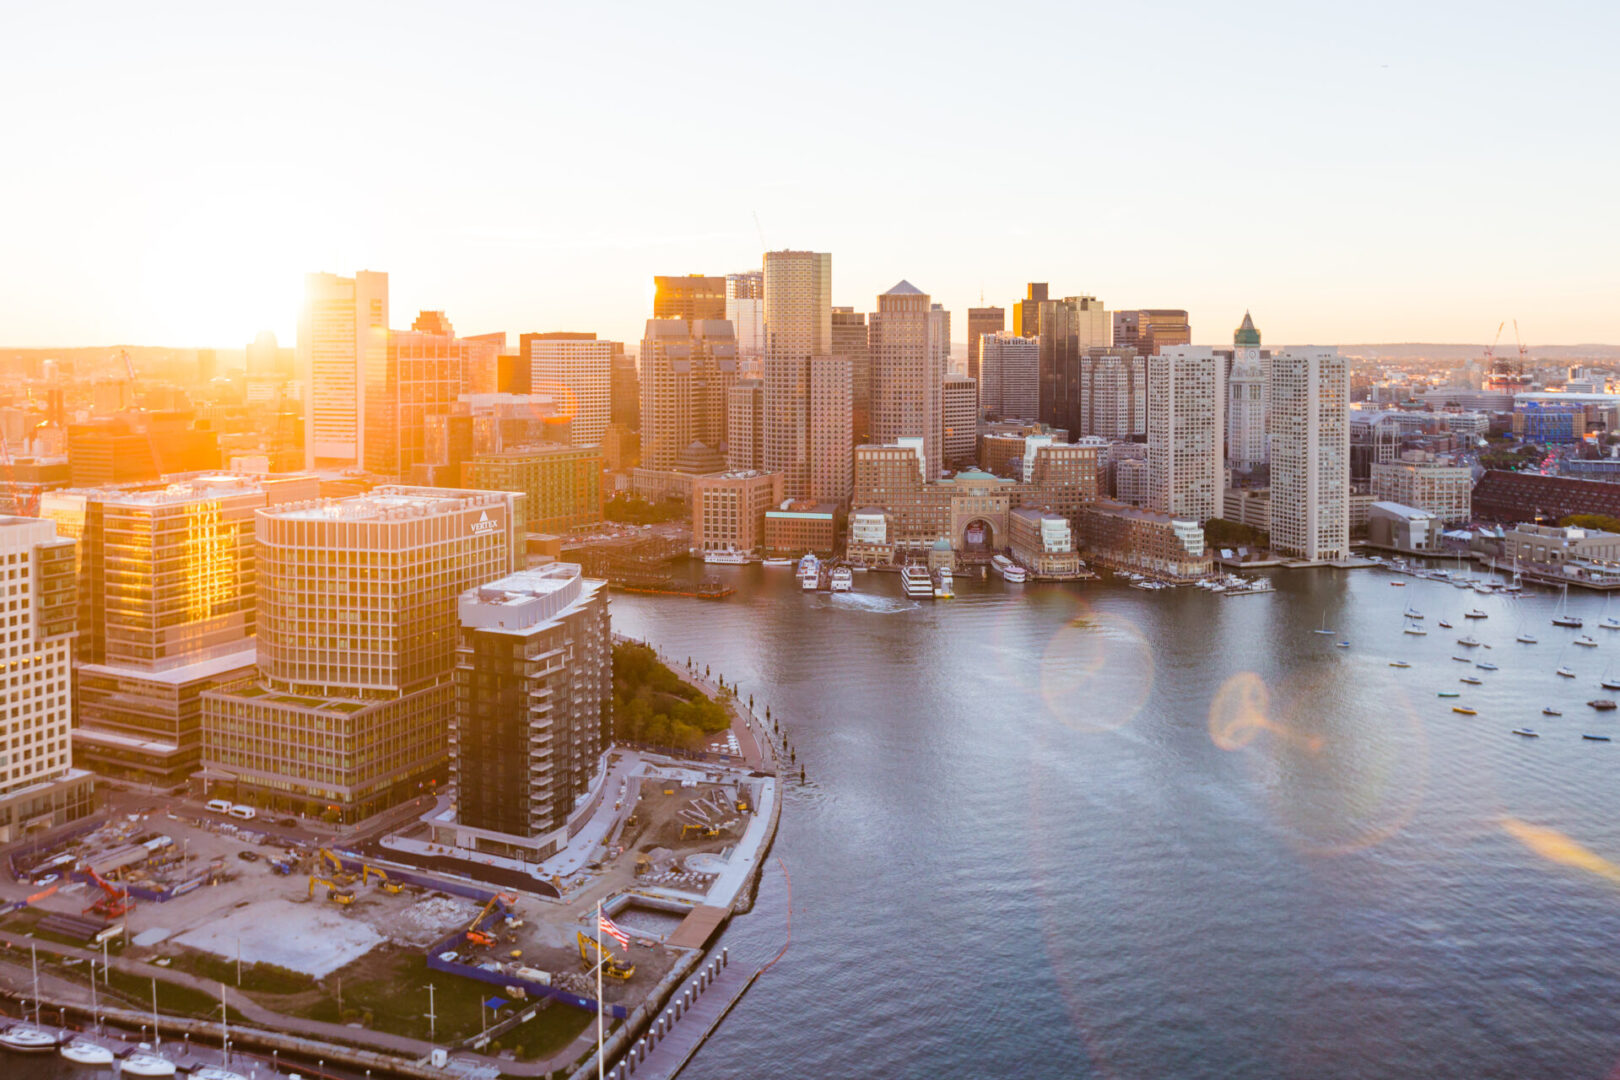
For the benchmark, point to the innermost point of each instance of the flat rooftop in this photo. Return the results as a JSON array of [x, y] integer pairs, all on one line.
[[387, 503]]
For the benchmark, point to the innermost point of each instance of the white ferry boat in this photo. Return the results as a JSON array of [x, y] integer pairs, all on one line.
[[843, 579], [728, 556], [943, 585], [809, 569], [916, 582], [1010, 571]]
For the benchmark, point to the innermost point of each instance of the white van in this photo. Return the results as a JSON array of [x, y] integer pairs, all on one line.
[[218, 806], [246, 813]]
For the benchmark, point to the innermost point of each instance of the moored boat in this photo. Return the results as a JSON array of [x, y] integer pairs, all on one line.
[[1597, 738], [729, 556], [1468, 641], [1529, 733], [916, 583], [944, 586], [1399, 663], [1471, 681], [1465, 710], [1010, 571], [1586, 642], [1602, 704], [1550, 711], [146, 1062], [1475, 614], [1565, 672], [27, 1038], [843, 579], [81, 1051], [1449, 693], [1444, 625]]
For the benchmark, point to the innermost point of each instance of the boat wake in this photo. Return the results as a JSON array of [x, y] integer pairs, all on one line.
[[877, 605]]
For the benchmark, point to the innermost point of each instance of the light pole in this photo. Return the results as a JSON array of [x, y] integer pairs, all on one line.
[[432, 1017]]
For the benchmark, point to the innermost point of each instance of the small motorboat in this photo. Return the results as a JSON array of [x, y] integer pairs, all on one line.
[[1526, 639], [1602, 704], [1550, 711], [1609, 684], [1399, 663], [1342, 645], [1462, 659], [27, 1038], [1397, 584], [1468, 641], [81, 1051], [1450, 693], [1445, 625], [1529, 733], [1487, 666], [1597, 738], [1471, 681], [1565, 672], [1589, 642], [1417, 630], [1412, 613], [146, 1062], [1465, 710], [1609, 622], [1475, 614]]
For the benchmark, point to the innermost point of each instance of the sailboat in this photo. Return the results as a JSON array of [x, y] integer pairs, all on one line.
[[29, 1037], [224, 1071], [1413, 628], [1412, 613], [79, 1049], [1608, 622], [148, 1061], [1562, 617], [1444, 625], [1324, 628]]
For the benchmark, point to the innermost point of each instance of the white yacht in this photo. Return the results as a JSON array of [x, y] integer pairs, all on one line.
[[1589, 642], [215, 1072], [146, 1062], [27, 1038], [1010, 571], [809, 571], [944, 587], [729, 556], [843, 579], [81, 1051], [916, 582]]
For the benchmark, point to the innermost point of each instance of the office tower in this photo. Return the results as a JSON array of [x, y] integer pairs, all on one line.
[[1148, 330], [688, 367], [561, 485], [166, 611], [1184, 433], [798, 325], [1133, 482], [624, 392], [39, 787], [264, 356], [357, 625], [342, 336], [939, 337], [831, 407], [982, 321], [745, 425], [1010, 367], [959, 419], [1027, 312], [1310, 453], [745, 307], [1069, 329], [1246, 400], [1113, 393], [693, 296], [849, 340], [480, 370], [420, 377], [139, 446], [534, 707], [578, 369], [907, 375]]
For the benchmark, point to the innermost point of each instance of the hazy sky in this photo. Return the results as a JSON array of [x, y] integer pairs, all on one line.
[[1353, 172]]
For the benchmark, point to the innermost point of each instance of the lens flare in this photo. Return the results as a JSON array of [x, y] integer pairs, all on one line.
[[1558, 847], [1096, 657]]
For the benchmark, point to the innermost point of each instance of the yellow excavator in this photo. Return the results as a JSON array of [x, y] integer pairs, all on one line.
[[388, 886], [324, 856], [334, 892], [612, 966], [706, 832]]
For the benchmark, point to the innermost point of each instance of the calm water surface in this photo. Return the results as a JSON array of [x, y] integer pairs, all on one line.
[[1057, 831]]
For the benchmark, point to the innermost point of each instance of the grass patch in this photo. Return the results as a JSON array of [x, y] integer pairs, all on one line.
[[179, 1000], [257, 978]]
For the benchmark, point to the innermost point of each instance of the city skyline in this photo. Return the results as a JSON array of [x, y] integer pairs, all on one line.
[[1334, 179]]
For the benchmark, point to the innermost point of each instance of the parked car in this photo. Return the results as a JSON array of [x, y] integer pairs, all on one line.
[[248, 856]]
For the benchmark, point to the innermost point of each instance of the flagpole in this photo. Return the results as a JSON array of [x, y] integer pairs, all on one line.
[[601, 1066]]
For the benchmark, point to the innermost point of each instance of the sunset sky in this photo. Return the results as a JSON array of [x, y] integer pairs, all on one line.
[[1367, 172]]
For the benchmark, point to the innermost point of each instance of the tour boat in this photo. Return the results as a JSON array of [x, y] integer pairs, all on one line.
[[1471, 681], [1010, 571], [1475, 614], [843, 579], [1465, 710], [915, 581], [81, 1051], [1562, 617], [1565, 672], [1399, 663], [1602, 704], [729, 556], [1589, 642], [943, 585], [145, 1062], [1550, 711], [1468, 640], [809, 567], [1528, 733], [778, 562], [1597, 738], [1445, 625]]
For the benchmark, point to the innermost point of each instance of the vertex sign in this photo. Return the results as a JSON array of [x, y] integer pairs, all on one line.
[[484, 524]]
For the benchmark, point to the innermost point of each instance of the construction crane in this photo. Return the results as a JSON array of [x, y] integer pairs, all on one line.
[[612, 966], [1490, 353], [334, 892], [1517, 340], [23, 505], [114, 902]]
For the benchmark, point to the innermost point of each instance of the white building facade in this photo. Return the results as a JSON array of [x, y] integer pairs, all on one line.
[[1310, 453]]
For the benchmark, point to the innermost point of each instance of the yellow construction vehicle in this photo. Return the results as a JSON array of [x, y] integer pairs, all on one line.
[[643, 865], [612, 966], [707, 832], [390, 887], [334, 892]]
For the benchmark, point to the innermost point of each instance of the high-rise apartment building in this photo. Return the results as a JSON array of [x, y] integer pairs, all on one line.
[[357, 630], [1027, 312], [534, 708], [692, 296], [907, 371], [849, 340], [688, 367], [1070, 328], [578, 370], [561, 485], [420, 377], [1148, 330], [798, 325], [342, 340], [982, 321], [745, 425], [39, 787], [1010, 376], [1113, 393], [831, 412], [624, 392], [959, 420], [1184, 432], [1310, 453], [1247, 400]]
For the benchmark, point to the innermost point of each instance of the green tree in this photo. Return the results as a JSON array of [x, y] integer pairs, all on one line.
[[1600, 522]]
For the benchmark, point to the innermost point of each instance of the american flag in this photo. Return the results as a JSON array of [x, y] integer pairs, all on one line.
[[611, 929]]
